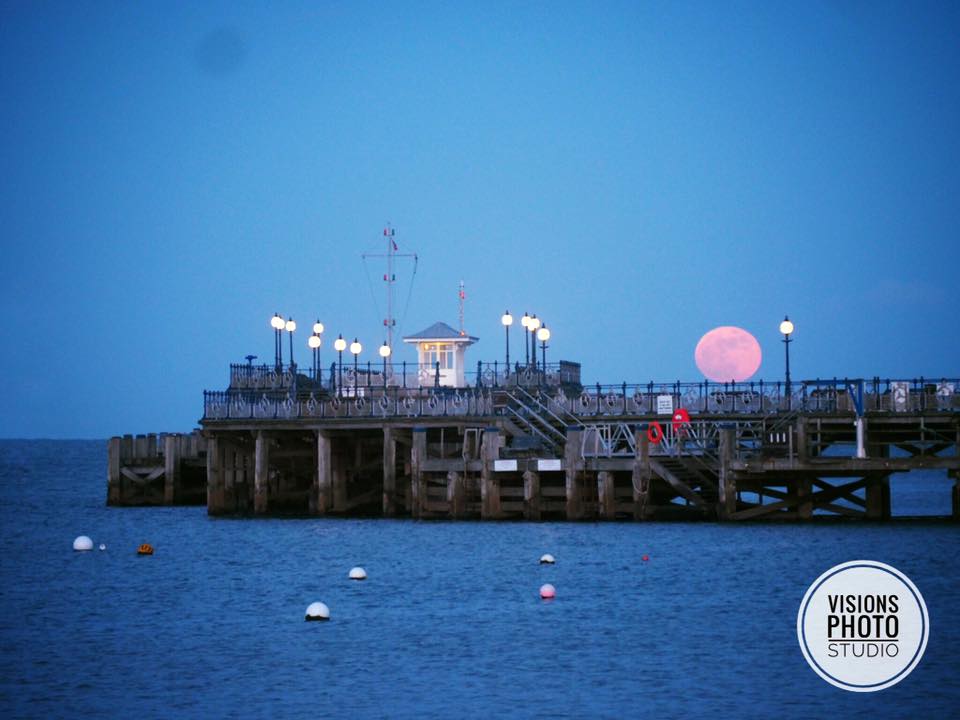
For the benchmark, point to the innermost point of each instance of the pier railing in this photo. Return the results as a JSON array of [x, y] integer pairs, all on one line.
[[270, 396], [246, 376]]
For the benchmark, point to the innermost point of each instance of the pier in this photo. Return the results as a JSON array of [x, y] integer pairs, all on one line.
[[533, 443]]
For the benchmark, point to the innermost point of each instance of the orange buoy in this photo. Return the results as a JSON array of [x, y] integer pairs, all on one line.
[[145, 549], [645, 558], [655, 433]]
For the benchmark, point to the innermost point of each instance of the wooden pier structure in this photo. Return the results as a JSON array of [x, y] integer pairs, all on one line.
[[538, 445]]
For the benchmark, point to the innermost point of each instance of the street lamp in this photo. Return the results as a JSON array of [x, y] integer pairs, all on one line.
[[314, 342], [507, 321], [532, 324], [525, 321], [355, 348], [318, 331], [276, 322], [291, 326], [340, 345], [786, 327], [384, 353], [543, 335]]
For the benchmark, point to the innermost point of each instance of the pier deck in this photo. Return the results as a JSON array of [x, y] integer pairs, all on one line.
[[524, 447]]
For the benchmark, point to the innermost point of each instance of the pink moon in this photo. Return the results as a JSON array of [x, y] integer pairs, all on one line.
[[728, 353]]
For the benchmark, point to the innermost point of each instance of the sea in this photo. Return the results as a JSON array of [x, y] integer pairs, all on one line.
[[449, 623]]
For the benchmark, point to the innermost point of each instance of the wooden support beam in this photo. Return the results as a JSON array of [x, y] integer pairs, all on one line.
[[804, 488], [389, 472], [321, 500], [228, 473], [878, 498], [681, 488], [796, 500], [456, 495], [727, 503], [214, 478], [171, 477], [640, 476], [848, 496], [490, 508], [956, 497], [801, 445], [418, 454], [818, 498], [606, 495], [531, 495], [573, 465], [261, 474], [114, 488]]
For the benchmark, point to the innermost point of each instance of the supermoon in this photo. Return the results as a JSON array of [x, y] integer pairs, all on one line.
[[727, 354]]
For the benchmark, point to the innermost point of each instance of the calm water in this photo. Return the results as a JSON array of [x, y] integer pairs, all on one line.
[[449, 623]]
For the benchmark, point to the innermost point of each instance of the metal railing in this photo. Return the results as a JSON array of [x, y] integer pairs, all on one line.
[[262, 392]]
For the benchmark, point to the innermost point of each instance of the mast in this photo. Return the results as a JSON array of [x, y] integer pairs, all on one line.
[[390, 278], [463, 296]]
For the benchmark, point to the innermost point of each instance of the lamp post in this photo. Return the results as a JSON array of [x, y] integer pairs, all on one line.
[[314, 342], [340, 345], [291, 326], [276, 322], [543, 335], [384, 353], [786, 327], [525, 322], [355, 348], [532, 326], [318, 331], [507, 321]]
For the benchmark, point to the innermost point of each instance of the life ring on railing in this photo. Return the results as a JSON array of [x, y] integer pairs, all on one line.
[[680, 418], [655, 433]]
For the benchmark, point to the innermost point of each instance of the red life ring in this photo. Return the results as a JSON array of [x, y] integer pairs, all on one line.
[[655, 433], [680, 418]]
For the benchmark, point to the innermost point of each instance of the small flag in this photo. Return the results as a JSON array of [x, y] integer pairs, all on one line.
[[395, 248]]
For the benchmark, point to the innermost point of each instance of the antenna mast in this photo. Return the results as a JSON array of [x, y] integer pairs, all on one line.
[[390, 278], [463, 296]]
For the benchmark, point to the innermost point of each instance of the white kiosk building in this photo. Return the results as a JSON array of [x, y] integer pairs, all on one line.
[[440, 343]]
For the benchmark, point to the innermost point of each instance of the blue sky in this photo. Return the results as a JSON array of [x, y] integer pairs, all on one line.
[[634, 173]]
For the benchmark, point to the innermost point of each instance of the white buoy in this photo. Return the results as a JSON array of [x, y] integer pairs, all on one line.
[[83, 543], [317, 611], [358, 573], [547, 559], [548, 591], [102, 546]]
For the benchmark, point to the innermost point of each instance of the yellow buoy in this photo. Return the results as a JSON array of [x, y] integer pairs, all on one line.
[[145, 549]]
